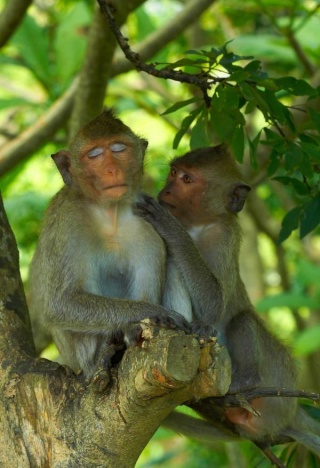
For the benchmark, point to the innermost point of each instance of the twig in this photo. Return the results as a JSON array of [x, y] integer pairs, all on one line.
[[157, 40], [201, 80], [238, 399], [272, 457]]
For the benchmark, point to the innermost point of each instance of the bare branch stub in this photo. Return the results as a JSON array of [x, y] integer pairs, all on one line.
[[201, 80]]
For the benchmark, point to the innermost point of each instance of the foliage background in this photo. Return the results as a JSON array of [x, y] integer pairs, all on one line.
[[39, 64]]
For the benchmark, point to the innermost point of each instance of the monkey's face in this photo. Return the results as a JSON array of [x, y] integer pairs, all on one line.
[[108, 170], [184, 195]]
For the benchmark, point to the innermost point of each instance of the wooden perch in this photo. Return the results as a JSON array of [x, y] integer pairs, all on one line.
[[53, 416]]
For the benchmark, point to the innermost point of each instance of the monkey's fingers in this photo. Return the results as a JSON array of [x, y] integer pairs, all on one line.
[[204, 332]]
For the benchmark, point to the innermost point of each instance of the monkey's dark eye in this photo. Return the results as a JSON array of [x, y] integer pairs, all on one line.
[[187, 179], [118, 147], [95, 152], [173, 171]]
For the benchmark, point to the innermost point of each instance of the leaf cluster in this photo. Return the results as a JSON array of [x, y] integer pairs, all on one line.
[[239, 87]]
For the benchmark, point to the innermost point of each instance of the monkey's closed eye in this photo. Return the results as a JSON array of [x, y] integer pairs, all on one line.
[[118, 147], [95, 152]]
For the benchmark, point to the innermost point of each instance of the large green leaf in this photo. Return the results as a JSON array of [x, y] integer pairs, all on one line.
[[287, 299], [70, 42], [307, 341], [311, 216], [32, 42], [290, 222]]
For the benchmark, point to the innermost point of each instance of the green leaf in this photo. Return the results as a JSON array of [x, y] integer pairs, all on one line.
[[315, 116], [287, 299], [295, 87], [307, 341], [293, 157], [253, 144], [275, 161], [223, 124], [184, 63], [237, 143], [201, 136], [307, 272], [180, 105], [289, 223], [311, 216], [300, 187], [71, 41], [277, 109], [232, 97], [250, 107], [311, 150], [277, 143], [253, 66], [187, 121], [261, 103], [246, 91], [32, 42]]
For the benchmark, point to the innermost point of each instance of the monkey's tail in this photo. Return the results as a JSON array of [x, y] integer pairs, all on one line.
[[198, 428], [306, 431]]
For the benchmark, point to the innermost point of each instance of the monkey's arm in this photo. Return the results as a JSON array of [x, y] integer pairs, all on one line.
[[80, 311], [203, 286]]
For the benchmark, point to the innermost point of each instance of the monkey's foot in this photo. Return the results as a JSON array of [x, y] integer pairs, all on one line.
[[101, 380]]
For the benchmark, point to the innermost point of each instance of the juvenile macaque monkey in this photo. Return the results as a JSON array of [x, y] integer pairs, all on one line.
[[98, 268], [197, 218]]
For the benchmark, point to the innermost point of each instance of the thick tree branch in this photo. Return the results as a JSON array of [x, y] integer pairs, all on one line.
[[96, 70], [10, 18], [15, 329]]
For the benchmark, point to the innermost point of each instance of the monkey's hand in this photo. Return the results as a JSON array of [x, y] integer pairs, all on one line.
[[203, 331], [167, 319], [166, 225]]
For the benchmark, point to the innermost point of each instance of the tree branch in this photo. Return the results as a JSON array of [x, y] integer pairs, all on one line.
[[96, 69], [36, 136], [202, 80], [308, 66], [160, 38], [10, 18], [15, 329], [244, 397]]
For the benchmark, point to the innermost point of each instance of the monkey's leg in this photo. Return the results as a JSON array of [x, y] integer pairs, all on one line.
[[243, 345]]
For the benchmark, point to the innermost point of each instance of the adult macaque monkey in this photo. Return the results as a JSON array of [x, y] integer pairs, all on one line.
[[197, 219], [98, 267]]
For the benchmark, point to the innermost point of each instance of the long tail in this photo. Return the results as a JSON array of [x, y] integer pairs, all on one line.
[[306, 431], [198, 428]]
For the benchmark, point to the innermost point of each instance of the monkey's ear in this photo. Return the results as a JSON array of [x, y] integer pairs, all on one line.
[[144, 144], [237, 197], [62, 160]]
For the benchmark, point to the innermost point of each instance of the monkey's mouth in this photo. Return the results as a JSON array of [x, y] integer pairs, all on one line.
[[116, 190], [166, 205]]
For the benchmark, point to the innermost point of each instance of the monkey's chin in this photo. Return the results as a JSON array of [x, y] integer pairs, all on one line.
[[117, 191]]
